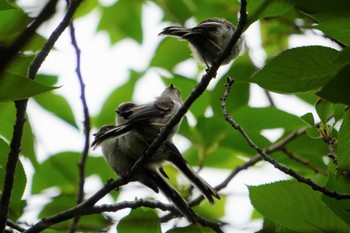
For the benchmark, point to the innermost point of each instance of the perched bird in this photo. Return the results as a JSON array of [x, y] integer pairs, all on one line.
[[137, 126], [207, 40]]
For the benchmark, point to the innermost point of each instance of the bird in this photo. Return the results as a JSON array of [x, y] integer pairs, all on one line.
[[207, 40], [136, 127]]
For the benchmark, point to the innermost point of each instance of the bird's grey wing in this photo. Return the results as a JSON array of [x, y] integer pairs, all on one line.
[[115, 131], [147, 112]]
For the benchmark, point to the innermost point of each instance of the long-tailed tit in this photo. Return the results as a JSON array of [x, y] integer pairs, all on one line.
[[207, 40], [137, 126]]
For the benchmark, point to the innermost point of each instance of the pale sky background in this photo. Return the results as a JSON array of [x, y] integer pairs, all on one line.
[[104, 67]]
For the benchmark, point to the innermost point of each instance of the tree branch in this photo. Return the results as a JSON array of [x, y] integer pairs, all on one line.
[[15, 148], [303, 161], [87, 127], [21, 106], [251, 162], [267, 158]]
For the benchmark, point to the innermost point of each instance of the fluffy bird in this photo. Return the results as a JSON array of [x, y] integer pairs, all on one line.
[[207, 40], [137, 126]]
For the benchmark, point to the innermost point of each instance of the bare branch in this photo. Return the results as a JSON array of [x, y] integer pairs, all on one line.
[[303, 161], [251, 162], [14, 226], [21, 106], [87, 127], [267, 158], [15, 148]]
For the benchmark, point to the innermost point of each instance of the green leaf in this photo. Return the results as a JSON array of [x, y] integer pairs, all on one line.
[[337, 89], [8, 114], [208, 9], [309, 119], [241, 69], [58, 204], [313, 133], [85, 7], [16, 205], [98, 166], [193, 228], [64, 202], [343, 57], [140, 220], [261, 9], [60, 171], [4, 5], [257, 119], [19, 65], [298, 70], [119, 95], [35, 43], [212, 212], [295, 206], [224, 158], [333, 19], [15, 87], [343, 151], [28, 143], [169, 53], [309, 149], [339, 184], [57, 105], [331, 27], [122, 20], [13, 22], [339, 112], [178, 11], [324, 110]]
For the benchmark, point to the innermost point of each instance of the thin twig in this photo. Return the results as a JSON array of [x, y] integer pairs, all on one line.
[[303, 161], [87, 127], [251, 162], [266, 157], [14, 226]]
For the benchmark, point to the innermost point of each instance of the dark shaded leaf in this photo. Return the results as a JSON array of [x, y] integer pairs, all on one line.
[[295, 206], [337, 89], [20, 182], [138, 220], [257, 119], [341, 208], [343, 151], [298, 70], [270, 8]]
